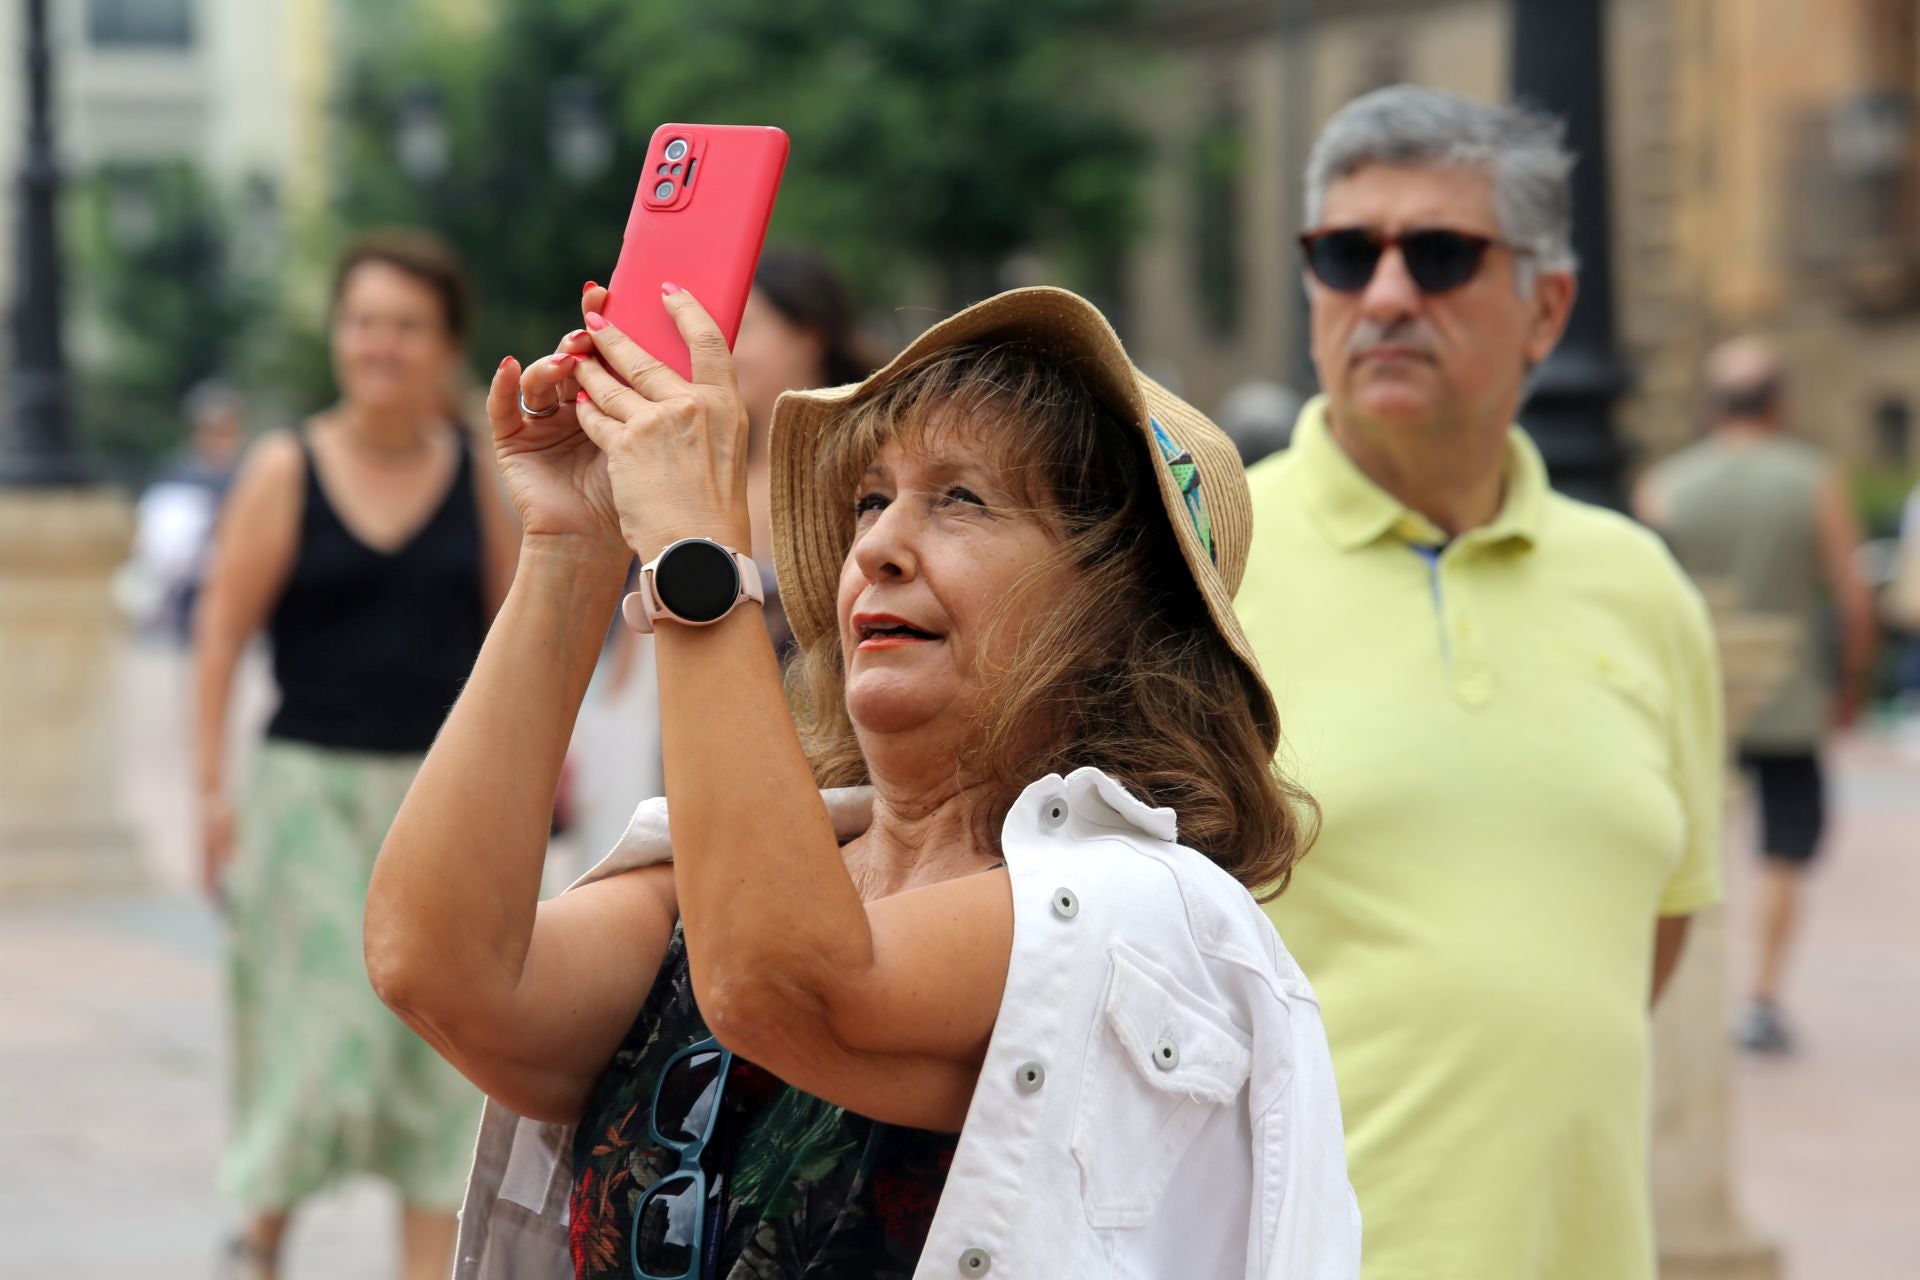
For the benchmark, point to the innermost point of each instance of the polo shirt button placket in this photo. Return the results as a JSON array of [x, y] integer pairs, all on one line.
[[1471, 677]]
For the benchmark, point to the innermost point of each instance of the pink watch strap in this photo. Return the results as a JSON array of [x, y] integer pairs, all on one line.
[[640, 608]]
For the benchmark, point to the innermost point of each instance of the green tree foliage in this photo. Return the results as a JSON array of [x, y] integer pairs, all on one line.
[[931, 142], [162, 306]]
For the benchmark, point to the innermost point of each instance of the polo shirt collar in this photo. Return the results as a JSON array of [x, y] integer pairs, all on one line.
[[1355, 512]]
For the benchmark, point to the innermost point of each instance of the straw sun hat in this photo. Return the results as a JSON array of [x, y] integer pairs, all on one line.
[[1203, 487]]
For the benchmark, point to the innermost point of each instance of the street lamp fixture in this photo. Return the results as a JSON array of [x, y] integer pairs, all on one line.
[[36, 438], [421, 141], [578, 138]]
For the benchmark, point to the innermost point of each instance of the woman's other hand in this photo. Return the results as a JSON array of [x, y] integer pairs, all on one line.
[[676, 450], [555, 475], [216, 846]]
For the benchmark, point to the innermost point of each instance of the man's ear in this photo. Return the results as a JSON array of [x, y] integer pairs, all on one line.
[[1553, 297]]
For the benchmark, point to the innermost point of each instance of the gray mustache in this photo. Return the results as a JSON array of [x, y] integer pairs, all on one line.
[[1367, 335]]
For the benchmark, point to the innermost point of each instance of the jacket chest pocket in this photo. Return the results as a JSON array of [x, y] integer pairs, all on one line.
[[1159, 1066]]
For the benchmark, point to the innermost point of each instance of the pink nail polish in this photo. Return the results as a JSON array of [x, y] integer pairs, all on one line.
[[588, 285], [581, 398], [596, 321], [561, 359], [668, 288], [575, 336], [506, 361]]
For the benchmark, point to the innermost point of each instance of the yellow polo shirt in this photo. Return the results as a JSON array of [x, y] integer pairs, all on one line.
[[1516, 741]]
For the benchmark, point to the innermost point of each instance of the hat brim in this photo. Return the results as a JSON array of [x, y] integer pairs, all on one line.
[[812, 529]]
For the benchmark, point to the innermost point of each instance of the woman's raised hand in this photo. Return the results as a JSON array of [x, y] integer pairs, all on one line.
[[676, 450], [555, 475]]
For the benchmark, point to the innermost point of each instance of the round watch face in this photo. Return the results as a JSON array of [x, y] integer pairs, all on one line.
[[697, 579]]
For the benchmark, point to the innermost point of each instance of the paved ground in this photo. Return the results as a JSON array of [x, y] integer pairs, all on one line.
[[1828, 1141], [111, 1058]]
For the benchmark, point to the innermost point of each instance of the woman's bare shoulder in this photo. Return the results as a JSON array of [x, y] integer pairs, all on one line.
[[274, 461]]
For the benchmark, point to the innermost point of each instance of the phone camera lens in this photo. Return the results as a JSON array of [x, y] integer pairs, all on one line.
[[677, 149], [664, 191]]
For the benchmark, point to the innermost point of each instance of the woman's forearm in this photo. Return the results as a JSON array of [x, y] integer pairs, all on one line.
[[450, 911], [216, 655], [772, 917]]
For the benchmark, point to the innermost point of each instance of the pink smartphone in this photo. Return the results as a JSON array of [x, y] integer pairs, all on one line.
[[699, 219]]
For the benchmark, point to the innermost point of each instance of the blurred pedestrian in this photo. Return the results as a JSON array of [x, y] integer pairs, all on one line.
[[1258, 417], [1506, 702], [1768, 516], [798, 333], [1902, 610], [372, 547], [174, 520]]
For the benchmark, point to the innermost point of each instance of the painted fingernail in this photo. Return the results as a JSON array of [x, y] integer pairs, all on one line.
[[589, 285], [575, 336], [669, 288], [561, 359], [505, 362], [596, 321], [581, 398]]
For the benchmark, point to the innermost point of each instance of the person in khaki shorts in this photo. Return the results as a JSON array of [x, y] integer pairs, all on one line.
[[1767, 515]]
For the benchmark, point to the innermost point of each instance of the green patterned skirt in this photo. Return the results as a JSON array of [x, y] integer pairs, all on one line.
[[326, 1081]]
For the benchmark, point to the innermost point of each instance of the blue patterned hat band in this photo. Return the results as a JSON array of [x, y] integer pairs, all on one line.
[[1187, 475]]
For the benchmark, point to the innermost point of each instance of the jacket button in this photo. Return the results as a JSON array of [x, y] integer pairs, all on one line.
[[1166, 1055], [975, 1262], [1065, 905], [1054, 812], [1029, 1076]]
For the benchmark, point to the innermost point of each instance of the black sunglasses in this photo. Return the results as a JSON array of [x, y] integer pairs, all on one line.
[[1438, 259], [676, 1224]]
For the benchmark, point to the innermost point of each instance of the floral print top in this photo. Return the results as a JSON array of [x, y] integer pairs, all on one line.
[[813, 1190]]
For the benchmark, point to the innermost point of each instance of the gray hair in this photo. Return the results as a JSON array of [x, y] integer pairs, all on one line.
[[1519, 148], [211, 398]]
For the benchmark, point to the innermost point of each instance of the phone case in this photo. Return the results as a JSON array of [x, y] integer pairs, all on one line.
[[698, 220]]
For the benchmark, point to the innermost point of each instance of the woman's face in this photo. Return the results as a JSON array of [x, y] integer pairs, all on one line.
[[940, 543], [391, 347], [772, 354]]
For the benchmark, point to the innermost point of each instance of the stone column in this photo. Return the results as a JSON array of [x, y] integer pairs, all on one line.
[[62, 820], [1701, 1237]]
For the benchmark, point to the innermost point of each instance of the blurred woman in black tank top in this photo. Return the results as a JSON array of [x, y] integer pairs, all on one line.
[[372, 548]]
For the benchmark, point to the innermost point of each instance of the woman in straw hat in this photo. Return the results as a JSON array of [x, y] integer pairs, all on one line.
[[999, 999]]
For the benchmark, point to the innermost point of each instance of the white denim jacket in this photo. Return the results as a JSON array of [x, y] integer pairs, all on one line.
[[1157, 1099]]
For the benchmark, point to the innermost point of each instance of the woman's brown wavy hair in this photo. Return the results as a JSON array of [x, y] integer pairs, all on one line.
[[1125, 670]]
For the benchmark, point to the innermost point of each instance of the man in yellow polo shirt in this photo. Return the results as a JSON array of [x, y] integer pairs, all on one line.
[[1505, 701]]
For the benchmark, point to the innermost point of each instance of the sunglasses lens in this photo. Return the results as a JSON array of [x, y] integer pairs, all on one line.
[[1441, 260], [666, 1228], [1344, 260], [688, 1093]]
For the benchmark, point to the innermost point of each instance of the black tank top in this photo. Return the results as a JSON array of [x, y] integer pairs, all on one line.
[[370, 648]]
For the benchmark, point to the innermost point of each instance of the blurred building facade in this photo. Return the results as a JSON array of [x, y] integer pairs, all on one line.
[[235, 89], [1765, 176], [238, 88]]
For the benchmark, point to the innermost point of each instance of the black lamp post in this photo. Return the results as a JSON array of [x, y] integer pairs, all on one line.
[[36, 438], [1558, 65]]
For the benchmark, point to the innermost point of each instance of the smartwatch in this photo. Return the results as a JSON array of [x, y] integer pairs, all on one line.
[[695, 581]]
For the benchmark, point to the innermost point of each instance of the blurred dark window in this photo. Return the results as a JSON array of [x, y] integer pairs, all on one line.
[[1852, 198], [140, 24], [1219, 160], [1893, 430]]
